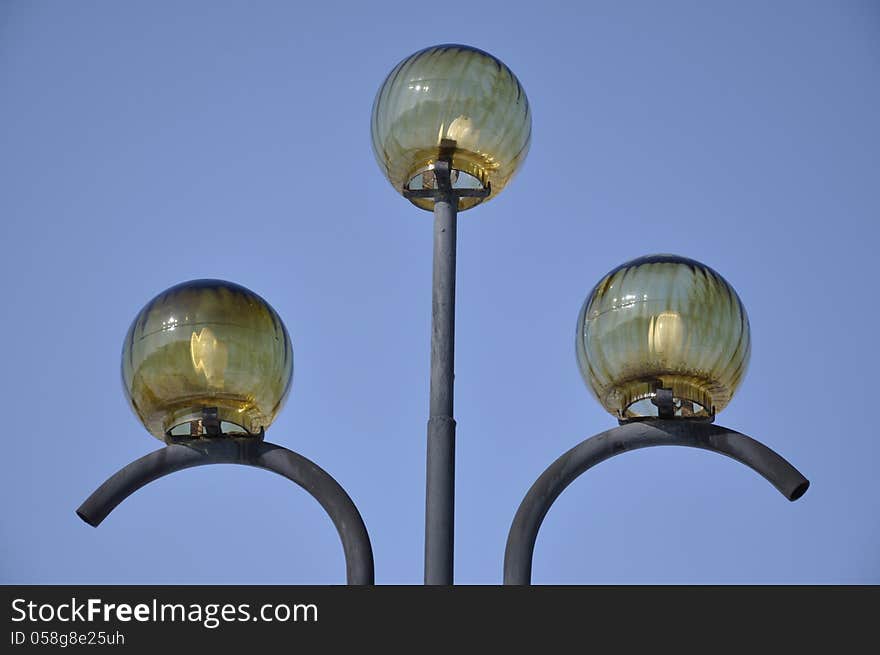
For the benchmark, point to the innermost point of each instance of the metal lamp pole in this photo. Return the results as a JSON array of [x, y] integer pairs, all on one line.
[[449, 122], [440, 477]]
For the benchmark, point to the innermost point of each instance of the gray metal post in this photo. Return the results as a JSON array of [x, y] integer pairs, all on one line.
[[632, 436], [440, 478]]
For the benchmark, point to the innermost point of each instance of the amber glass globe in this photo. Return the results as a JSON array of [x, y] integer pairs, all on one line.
[[204, 355], [453, 102], [663, 322]]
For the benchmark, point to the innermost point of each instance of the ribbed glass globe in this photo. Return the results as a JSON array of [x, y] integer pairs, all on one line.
[[203, 355], [663, 322], [455, 102]]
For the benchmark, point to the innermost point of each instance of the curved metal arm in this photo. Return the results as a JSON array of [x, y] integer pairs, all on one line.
[[632, 436], [249, 452]]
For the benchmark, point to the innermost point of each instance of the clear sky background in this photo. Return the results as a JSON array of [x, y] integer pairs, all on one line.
[[147, 143]]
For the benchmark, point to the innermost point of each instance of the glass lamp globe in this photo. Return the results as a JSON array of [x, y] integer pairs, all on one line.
[[663, 322], [451, 102], [205, 358]]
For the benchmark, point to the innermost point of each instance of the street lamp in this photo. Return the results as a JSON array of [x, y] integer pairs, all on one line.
[[451, 125], [663, 342], [206, 367]]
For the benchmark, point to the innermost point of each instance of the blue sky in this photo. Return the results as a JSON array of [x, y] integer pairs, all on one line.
[[147, 143]]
